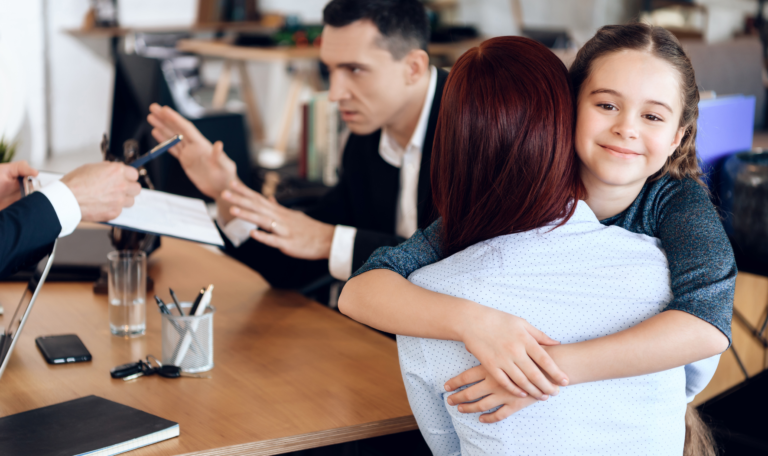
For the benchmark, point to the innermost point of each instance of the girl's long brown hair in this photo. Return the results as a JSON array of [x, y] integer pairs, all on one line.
[[503, 158]]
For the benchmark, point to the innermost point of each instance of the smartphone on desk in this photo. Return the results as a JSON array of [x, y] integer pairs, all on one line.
[[66, 348]]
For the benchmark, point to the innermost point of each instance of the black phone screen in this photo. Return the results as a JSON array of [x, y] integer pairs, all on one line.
[[66, 348]]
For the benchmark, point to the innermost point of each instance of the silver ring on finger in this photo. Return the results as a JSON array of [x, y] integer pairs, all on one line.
[[273, 225]]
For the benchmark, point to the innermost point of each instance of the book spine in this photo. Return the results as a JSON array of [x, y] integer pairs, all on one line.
[[304, 146], [312, 144], [321, 135], [330, 175]]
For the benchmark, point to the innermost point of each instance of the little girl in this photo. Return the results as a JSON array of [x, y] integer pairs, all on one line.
[[639, 168]]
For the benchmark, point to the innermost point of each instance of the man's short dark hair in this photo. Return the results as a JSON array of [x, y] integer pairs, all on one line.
[[403, 24]]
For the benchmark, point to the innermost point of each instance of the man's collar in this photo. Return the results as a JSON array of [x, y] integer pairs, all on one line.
[[417, 139], [389, 150]]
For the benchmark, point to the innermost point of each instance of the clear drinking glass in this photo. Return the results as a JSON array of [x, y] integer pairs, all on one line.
[[127, 292]]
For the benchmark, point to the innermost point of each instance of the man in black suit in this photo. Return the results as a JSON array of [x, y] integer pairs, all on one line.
[[28, 226], [389, 97]]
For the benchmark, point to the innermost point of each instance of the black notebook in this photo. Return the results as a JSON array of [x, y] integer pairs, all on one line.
[[90, 426]]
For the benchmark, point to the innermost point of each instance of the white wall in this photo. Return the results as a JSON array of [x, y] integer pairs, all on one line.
[[81, 76], [21, 29], [82, 72], [154, 13], [581, 17]]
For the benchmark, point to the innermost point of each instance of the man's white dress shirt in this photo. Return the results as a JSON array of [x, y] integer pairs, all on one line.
[[407, 159], [64, 204]]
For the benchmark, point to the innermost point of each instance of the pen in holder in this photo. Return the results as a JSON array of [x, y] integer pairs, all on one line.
[[188, 341]]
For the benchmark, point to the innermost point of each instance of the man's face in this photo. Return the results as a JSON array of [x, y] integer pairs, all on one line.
[[368, 83]]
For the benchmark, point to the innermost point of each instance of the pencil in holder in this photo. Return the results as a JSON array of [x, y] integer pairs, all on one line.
[[188, 341]]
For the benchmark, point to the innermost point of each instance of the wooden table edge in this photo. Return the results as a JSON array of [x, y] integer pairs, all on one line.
[[315, 439]]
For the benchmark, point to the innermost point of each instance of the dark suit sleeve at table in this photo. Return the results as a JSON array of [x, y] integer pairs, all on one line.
[[28, 227], [364, 198]]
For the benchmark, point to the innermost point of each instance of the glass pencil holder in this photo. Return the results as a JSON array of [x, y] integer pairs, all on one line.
[[188, 341]]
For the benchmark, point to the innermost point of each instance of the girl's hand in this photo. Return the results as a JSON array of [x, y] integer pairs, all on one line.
[[490, 394], [510, 349]]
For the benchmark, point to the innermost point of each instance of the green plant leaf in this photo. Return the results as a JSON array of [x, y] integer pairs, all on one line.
[[7, 151]]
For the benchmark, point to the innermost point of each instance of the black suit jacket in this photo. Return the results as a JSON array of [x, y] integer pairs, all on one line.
[[28, 229], [365, 198]]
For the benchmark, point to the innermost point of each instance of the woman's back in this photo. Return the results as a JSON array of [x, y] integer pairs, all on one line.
[[577, 282]]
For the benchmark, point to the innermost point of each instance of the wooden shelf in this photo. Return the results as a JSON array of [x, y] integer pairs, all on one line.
[[226, 50], [108, 32]]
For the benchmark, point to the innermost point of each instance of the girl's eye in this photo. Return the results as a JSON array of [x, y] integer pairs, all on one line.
[[654, 118], [355, 70], [607, 107]]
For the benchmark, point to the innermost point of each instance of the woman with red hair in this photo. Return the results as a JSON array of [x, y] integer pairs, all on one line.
[[518, 237]]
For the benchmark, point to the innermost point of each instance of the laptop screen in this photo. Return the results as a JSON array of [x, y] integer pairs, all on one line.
[[8, 340]]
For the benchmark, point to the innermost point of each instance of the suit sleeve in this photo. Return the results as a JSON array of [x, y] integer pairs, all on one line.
[[28, 228], [336, 208]]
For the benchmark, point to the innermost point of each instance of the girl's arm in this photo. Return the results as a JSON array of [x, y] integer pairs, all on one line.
[[386, 301], [664, 341], [379, 296], [410, 310]]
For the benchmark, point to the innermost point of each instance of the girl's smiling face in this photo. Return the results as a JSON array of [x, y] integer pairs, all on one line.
[[628, 120]]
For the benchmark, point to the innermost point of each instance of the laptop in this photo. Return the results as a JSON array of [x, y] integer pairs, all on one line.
[[11, 333], [79, 257]]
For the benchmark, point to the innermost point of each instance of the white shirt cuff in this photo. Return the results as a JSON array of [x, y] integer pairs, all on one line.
[[237, 230], [342, 246], [65, 204]]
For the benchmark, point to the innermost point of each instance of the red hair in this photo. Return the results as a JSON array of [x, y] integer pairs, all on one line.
[[503, 159]]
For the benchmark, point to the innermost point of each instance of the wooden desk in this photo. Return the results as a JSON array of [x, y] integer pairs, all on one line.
[[290, 374]]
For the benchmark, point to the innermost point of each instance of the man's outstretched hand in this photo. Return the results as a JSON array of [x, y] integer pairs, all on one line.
[[206, 164], [292, 232]]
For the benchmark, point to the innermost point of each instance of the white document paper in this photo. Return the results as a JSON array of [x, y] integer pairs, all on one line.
[[170, 215], [162, 213]]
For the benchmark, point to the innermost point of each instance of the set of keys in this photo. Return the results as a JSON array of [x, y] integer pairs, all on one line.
[[142, 368]]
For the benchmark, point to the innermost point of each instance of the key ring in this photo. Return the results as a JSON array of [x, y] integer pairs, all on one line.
[[157, 361], [144, 368]]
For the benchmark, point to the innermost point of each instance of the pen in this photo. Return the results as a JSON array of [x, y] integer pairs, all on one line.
[[163, 308], [157, 151], [206, 299], [197, 301], [176, 301]]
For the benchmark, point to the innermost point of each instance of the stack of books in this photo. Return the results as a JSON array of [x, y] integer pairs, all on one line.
[[323, 135]]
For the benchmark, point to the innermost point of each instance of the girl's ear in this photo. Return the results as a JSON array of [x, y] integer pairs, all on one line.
[[678, 139]]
